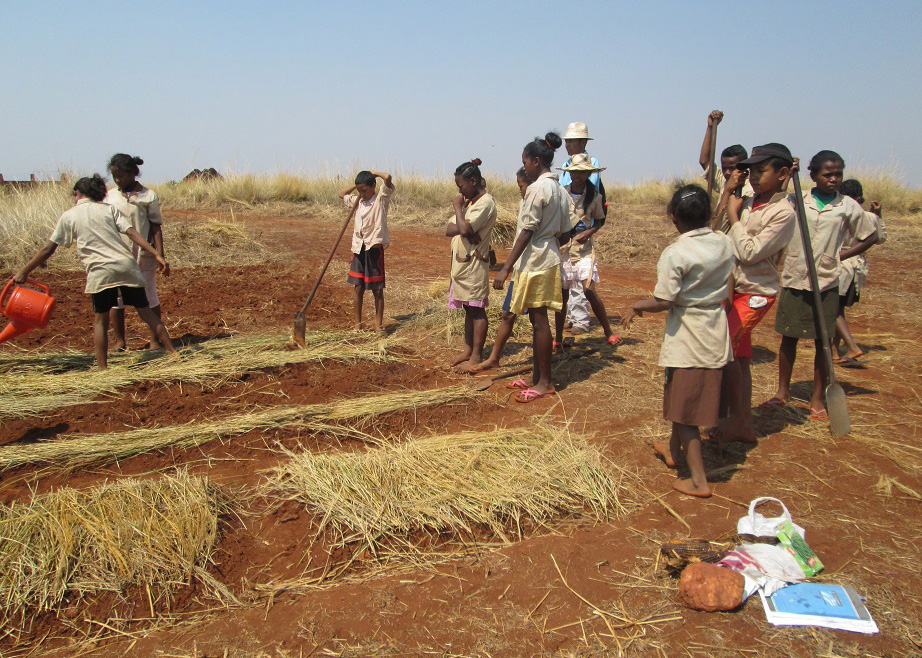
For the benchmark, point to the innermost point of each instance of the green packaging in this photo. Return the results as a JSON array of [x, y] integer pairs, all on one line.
[[797, 546]]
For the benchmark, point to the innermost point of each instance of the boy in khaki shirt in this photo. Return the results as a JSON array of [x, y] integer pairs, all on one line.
[[370, 238], [831, 219], [760, 227]]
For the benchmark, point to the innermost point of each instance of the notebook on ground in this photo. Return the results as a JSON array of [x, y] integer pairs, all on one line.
[[818, 604]]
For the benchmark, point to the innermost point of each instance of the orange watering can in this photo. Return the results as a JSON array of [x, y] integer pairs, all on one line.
[[27, 309]]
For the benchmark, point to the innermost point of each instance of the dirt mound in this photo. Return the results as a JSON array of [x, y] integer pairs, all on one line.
[[203, 175]]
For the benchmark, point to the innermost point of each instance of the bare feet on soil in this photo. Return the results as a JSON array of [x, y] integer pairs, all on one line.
[[662, 449], [688, 487]]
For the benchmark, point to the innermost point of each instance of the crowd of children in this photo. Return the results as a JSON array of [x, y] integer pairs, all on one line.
[[729, 266]]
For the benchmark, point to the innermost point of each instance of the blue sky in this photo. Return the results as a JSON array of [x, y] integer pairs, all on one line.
[[423, 86]]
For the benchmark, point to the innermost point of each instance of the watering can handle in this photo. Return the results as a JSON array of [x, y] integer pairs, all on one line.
[[9, 283]]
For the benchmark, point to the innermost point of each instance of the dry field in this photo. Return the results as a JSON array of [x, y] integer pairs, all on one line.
[[357, 498]]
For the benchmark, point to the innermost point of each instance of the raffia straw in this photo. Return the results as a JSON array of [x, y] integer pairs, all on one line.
[[106, 538], [27, 394], [494, 480], [79, 450]]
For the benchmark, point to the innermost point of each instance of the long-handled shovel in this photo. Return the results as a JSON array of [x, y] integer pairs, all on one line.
[[835, 395], [300, 326]]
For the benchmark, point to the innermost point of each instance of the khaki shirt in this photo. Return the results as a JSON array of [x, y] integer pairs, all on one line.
[[856, 268], [759, 240], [829, 229], [470, 264], [546, 212], [142, 208], [97, 230], [371, 220], [572, 249], [693, 273]]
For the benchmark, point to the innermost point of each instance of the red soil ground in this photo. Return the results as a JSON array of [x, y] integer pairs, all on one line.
[[507, 601]]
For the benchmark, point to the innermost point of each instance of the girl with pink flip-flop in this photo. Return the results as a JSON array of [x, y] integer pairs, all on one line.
[[543, 219]]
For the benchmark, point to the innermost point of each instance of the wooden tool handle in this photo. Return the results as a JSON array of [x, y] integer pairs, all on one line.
[[814, 279], [323, 271]]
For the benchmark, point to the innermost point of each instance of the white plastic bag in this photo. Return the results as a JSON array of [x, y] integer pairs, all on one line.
[[774, 559]]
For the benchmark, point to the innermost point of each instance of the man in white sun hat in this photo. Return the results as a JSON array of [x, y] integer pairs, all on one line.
[[575, 139]]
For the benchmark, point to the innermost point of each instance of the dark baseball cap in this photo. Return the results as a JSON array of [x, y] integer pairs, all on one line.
[[766, 151]]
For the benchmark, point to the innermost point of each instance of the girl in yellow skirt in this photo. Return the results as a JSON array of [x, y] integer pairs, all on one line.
[[544, 218]]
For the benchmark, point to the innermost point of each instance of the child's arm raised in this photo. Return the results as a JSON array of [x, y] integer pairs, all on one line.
[[349, 189], [387, 178], [707, 158], [38, 259], [135, 237]]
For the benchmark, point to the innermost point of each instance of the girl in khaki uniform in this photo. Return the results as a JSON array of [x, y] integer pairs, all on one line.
[[141, 206], [470, 233]]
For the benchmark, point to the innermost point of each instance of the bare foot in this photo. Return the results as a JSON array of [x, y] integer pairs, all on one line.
[[459, 359], [688, 487], [662, 449], [467, 368], [485, 365], [357, 328]]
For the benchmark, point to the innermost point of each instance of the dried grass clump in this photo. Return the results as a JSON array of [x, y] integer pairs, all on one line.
[[455, 484], [216, 241], [79, 450], [28, 394], [29, 217], [131, 532]]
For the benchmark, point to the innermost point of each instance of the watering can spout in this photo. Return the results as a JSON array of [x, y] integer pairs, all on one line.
[[12, 330]]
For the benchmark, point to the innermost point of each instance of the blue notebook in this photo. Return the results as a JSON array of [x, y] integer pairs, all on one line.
[[819, 604]]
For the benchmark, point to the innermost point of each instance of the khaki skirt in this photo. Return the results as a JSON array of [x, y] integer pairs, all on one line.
[[795, 312], [695, 396]]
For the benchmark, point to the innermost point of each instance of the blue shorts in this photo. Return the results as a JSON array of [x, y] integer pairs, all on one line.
[[507, 303]]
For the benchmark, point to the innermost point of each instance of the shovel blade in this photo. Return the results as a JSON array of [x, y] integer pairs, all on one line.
[[300, 329], [837, 407]]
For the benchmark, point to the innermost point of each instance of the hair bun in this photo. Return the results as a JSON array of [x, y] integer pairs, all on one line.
[[553, 141], [476, 162], [137, 160]]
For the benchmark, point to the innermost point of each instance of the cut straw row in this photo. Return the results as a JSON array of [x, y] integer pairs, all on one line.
[[28, 394], [131, 532], [80, 450], [458, 484]]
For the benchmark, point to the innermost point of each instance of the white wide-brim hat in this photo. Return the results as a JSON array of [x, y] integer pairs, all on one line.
[[581, 162], [577, 131]]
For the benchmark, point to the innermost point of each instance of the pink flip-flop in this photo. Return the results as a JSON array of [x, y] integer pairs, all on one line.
[[530, 395], [518, 384], [614, 340]]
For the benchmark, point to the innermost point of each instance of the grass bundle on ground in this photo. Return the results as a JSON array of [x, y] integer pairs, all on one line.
[[30, 394], [217, 241], [79, 450], [456, 484], [132, 532]]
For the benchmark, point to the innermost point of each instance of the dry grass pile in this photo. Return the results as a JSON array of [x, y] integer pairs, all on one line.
[[79, 450], [133, 532], [495, 480], [213, 242], [28, 394]]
